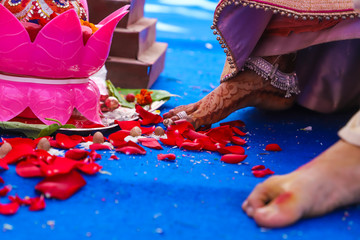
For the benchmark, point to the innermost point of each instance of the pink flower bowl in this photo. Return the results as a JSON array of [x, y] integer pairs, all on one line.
[[51, 74]]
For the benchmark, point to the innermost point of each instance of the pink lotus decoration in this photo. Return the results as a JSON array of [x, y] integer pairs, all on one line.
[[51, 75]]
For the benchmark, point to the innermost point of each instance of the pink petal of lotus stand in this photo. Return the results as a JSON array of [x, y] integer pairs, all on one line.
[[50, 76]]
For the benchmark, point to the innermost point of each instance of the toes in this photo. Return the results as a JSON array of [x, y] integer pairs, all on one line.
[[257, 199], [284, 210]]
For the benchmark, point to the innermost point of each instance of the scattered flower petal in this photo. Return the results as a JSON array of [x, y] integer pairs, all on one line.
[[221, 134], [77, 154], [257, 167], [127, 125], [88, 168], [117, 138], [238, 141], [37, 203], [2, 180], [273, 147], [94, 155], [129, 150], [18, 152], [99, 146], [9, 208], [166, 157], [150, 143], [67, 142], [114, 157], [20, 201], [147, 117], [61, 165], [27, 169], [5, 190], [238, 131], [262, 173], [233, 158], [232, 150], [61, 186], [188, 145]]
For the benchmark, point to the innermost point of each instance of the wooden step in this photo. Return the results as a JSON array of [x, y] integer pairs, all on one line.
[[134, 40], [99, 9], [137, 73]]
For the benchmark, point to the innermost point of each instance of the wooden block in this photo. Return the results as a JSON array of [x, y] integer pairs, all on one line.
[[141, 73], [133, 41], [99, 9]]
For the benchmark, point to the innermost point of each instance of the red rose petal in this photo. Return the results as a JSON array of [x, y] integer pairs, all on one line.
[[5, 190], [94, 155], [3, 165], [207, 144], [238, 131], [173, 138], [61, 186], [61, 165], [99, 146], [147, 117], [117, 138], [27, 169], [18, 140], [232, 150], [273, 147], [77, 154], [66, 141], [20, 201], [192, 135], [188, 145], [9, 208], [233, 158], [150, 143], [238, 141], [87, 139], [2, 180], [262, 173], [43, 156], [127, 125], [129, 150], [236, 123], [88, 168], [168, 157], [18, 152], [37, 203], [181, 126], [257, 167], [147, 130], [221, 134], [114, 157]]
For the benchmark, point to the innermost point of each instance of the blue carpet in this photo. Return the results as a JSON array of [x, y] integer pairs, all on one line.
[[196, 197]]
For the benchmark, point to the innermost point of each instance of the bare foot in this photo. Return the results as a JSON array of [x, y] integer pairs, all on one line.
[[328, 182], [245, 90]]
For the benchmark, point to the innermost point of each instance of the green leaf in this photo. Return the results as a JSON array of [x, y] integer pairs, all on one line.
[[115, 93], [48, 130], [30, 130], [68, 126]]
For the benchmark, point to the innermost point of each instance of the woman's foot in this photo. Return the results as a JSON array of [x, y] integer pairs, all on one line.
[[328, 182], [245, 90]]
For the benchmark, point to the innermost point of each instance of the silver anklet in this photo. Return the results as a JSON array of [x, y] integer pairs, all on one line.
[[284, 81]]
